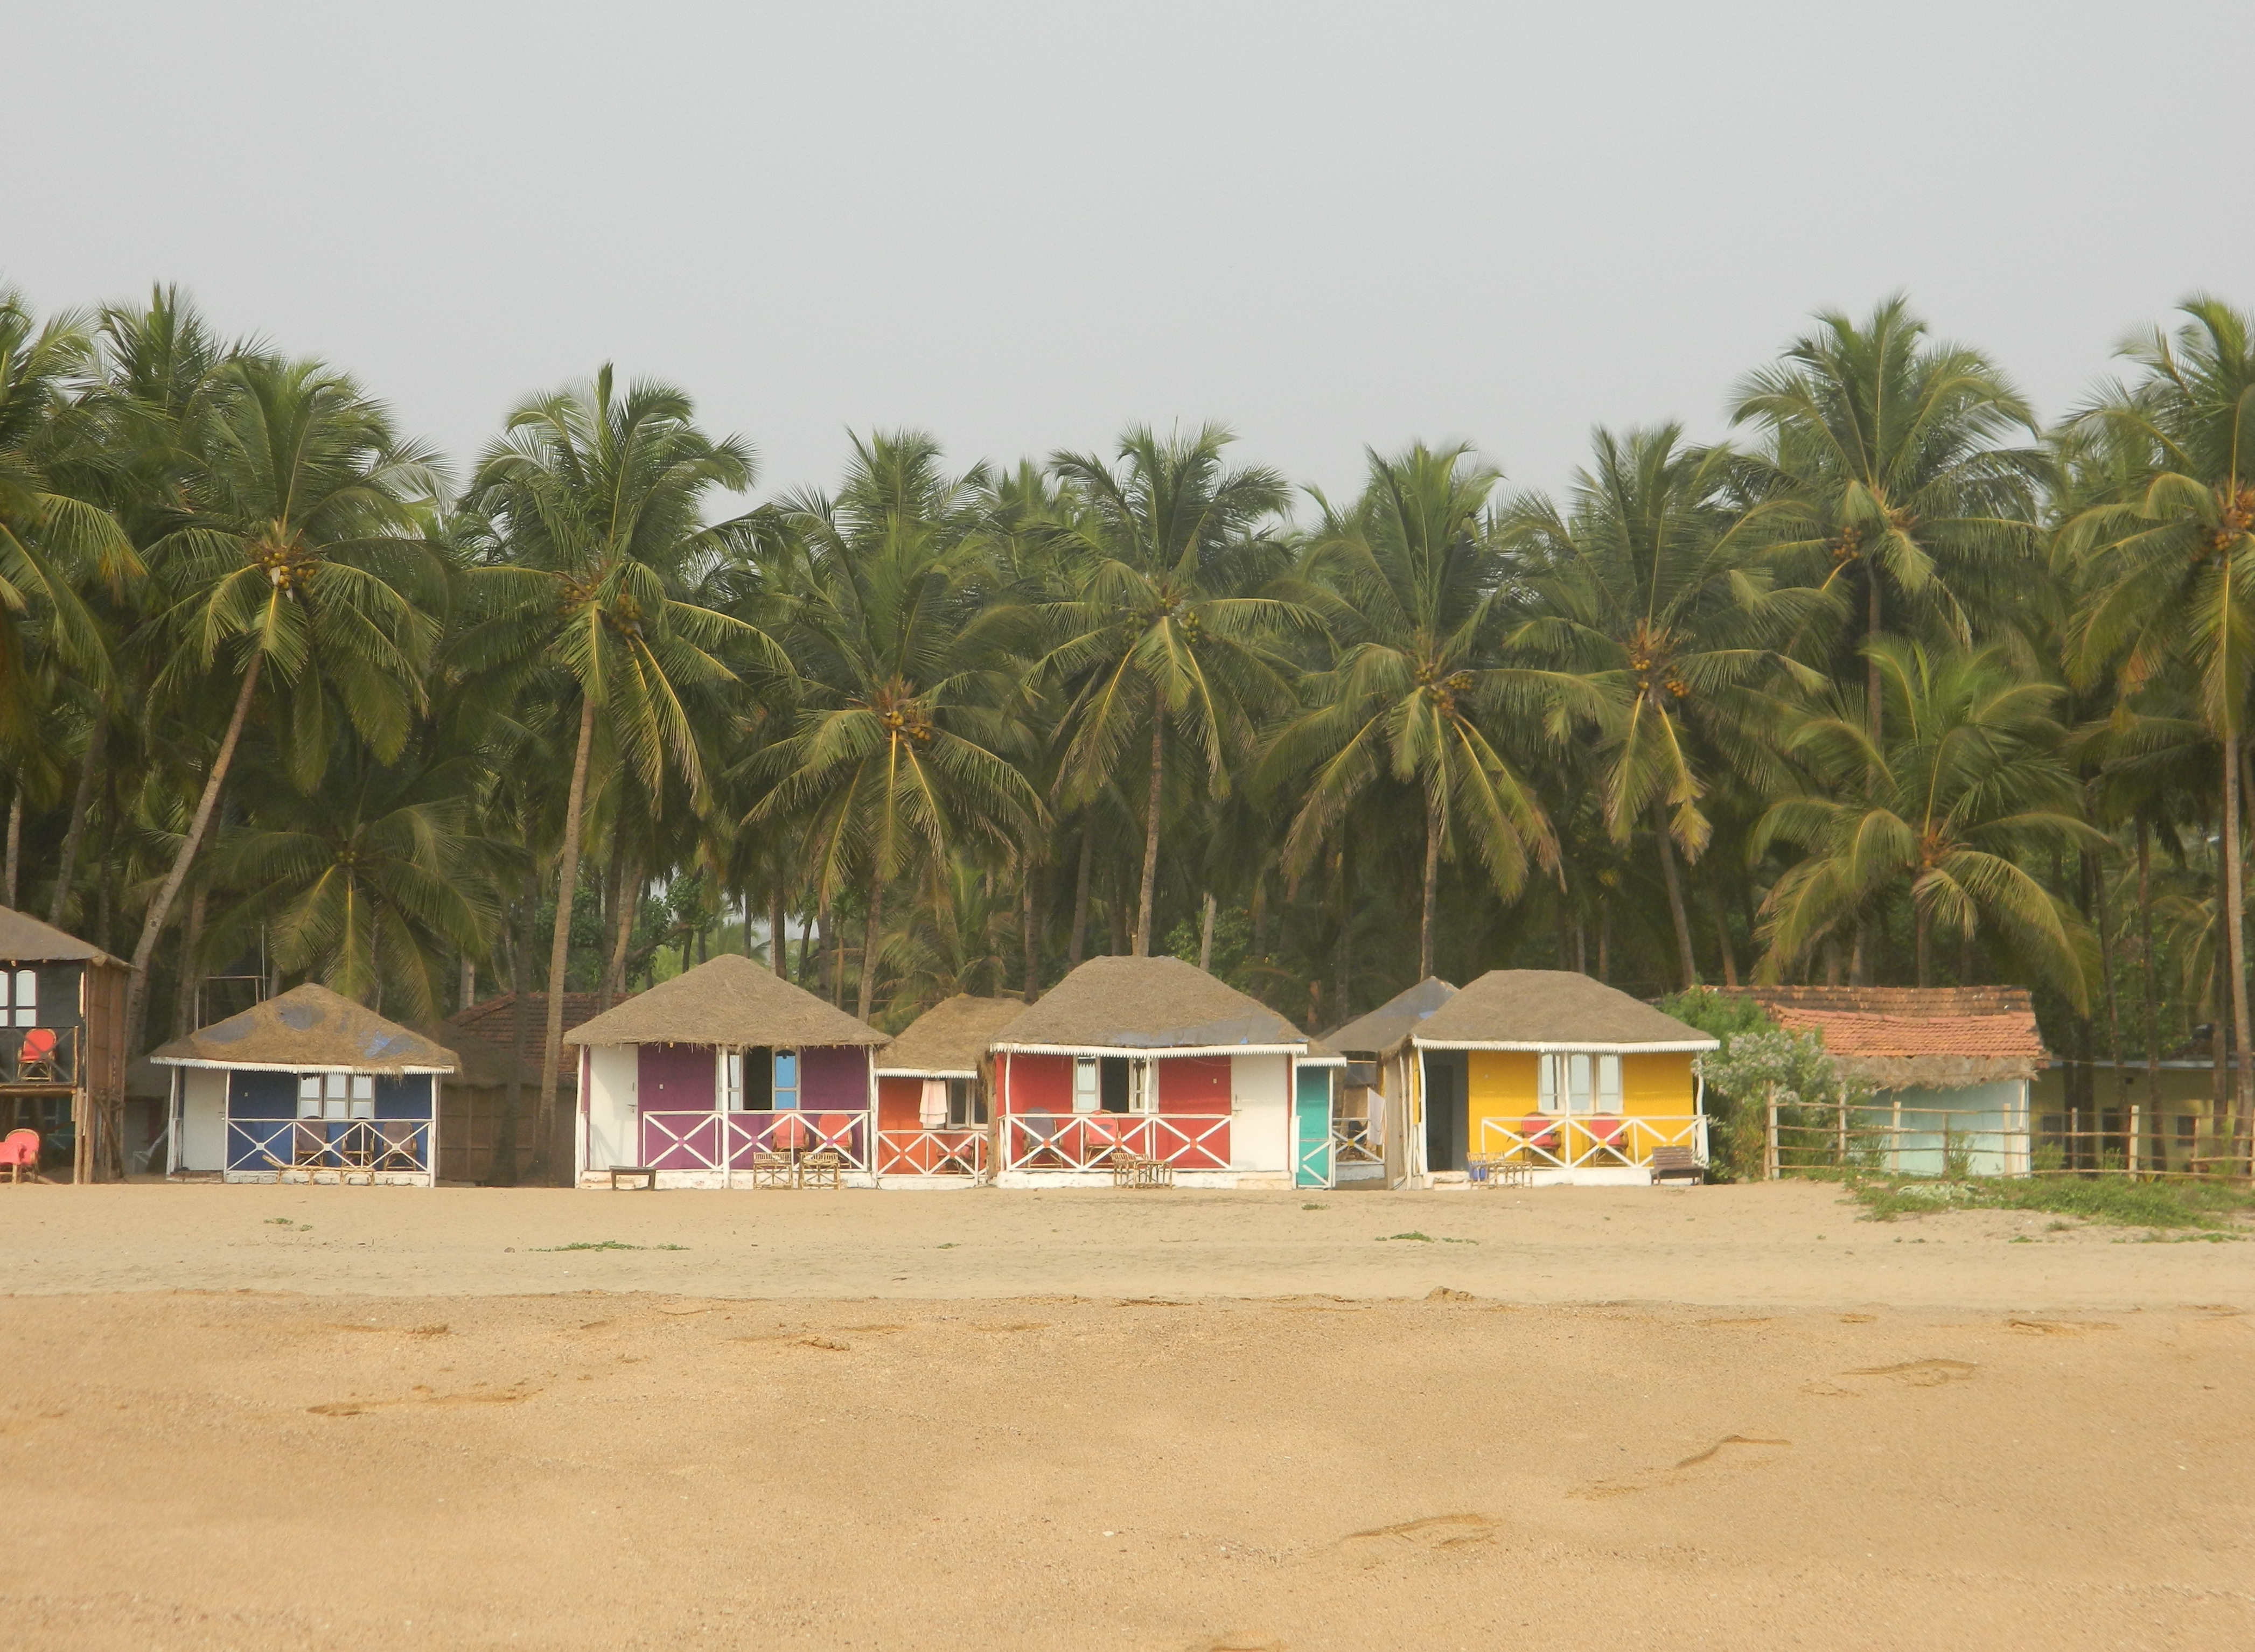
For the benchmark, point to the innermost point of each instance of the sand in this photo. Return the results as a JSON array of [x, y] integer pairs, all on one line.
[[254, 1417]]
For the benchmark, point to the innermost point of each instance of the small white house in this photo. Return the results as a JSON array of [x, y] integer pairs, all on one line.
[[306, 1087]]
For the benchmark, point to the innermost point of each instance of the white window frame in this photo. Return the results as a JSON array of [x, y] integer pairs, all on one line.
[[23, 997], [1142, 1086], [732, 1081], [336, 1097], [776, 1089], [1087, 1084], [1579, 1083]]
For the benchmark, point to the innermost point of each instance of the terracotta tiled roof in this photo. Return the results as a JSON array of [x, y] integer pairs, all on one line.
[[489, 1018], [1903, 1035]]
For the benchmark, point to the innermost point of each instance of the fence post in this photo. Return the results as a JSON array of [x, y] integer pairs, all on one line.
[[1840, 1145], [1770, 1166]]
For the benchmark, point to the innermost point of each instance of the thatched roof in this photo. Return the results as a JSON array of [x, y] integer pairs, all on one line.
[[24, 939], [1394, 1020], [309, 1029], [1553, 1009], [1147, 1004], [1916, 1038], [730, 1001], [949, 1040]]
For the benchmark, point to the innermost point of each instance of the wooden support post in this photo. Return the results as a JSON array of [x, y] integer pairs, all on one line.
[[1771, 1167]]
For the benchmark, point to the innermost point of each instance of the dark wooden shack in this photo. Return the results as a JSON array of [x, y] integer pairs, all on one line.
[[62, 1046]]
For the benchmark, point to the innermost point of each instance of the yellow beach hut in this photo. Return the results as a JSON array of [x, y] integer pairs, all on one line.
[[1550, 1074]]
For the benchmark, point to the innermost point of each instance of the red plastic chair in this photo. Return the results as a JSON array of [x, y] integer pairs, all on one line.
[[19, 1151], [35, 1057]]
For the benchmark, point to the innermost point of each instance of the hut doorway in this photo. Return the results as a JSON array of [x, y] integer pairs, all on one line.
[[1445, 1126]]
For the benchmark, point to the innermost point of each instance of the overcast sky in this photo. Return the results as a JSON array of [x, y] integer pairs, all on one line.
[[1023, 225]]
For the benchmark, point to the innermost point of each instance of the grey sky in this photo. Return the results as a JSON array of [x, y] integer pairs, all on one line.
[[1022, 226]]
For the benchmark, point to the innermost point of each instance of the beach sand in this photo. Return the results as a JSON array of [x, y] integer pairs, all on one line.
[[313, 1418]]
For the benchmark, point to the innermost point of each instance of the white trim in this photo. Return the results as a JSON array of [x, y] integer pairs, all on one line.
[[925, 1072], [301, 1067], [1323, 1060], [1560, 1047], [1160, 1051]]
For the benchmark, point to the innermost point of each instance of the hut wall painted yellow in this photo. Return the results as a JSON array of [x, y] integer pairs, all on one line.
[[1658, 1087], [1498, 1084]]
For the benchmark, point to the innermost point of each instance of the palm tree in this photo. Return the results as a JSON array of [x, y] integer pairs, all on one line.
[[1410, 582], [1165, 629], [294, 560], [1967, 789], [593, 505], [2169, 562], [894, 756], [1883, 475], [1644, 605], [370, 883]]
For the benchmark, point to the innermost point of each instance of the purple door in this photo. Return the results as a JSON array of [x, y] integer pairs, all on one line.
[[675, 1095]]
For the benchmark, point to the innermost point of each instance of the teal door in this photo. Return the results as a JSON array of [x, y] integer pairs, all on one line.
[[1312, 1114]]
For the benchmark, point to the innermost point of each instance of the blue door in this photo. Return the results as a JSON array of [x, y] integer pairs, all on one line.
[[1311, 1133]]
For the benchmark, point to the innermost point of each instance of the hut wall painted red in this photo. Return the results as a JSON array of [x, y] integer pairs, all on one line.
[[1194, 1084], [1040, 1083], [898, 1100], [674, 1078], [834, 1077]]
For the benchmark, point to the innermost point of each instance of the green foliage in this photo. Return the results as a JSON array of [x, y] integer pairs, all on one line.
[[2116, 1200]]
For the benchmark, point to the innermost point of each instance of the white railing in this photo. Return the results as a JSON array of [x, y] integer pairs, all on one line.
[[1089, 1141], [736, 1141], [1583, 1141], [1351, 1143], [940, 1151], [386, 1145]]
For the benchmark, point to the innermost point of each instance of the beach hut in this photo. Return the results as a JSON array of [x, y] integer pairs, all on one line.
[[1951, 1069], [714, 1078], [1373, 1068], [935, 1092], [62, 1045], [305, 1087], [1154, 1059], [1552, 1074]]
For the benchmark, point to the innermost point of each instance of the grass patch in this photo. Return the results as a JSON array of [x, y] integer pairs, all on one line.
[[607, 1244], [2112, 1200]]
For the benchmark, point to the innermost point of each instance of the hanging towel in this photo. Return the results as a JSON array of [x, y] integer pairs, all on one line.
[[931, 1108]]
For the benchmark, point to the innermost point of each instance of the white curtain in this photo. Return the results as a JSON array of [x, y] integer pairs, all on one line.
[[931, 1107]]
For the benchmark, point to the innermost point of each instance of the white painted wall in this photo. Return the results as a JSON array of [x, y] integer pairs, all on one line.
[[1260, 1095], [203, 1119], [612, 1121]]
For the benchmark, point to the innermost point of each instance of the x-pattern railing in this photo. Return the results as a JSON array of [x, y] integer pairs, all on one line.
[[383, 1144], [735, 1141], [1351, 1143], [936, 1150], [1583, 1141], [1087, 1141]]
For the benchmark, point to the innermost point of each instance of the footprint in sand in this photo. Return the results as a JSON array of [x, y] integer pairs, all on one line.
[[1921, 1373], [391, 1330], [1239, 1641], [1724, 1444], [1728, 1447], [1433, 1537], [421, 1395], [2060, 1327], [1030, 1325]]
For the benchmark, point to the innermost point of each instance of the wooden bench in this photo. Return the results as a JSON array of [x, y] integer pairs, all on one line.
[[1677, 1164], [1498, 1170]]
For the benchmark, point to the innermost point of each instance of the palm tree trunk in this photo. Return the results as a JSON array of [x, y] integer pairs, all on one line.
[[15, 868], [501, 1170], [1077, 949], [2235, 903], [1031, 935], [1723, 929], [89, 771], [869, 945], [2151, 989], [184, 1000], [559, 945], [1205, 935], [2103, 916], [1430, 888], [160, 909], [626, 899], [1683, 958], [1151, 830], [1871, 661], [778, 942]]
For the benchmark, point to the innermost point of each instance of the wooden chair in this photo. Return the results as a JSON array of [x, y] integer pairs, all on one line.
[[1677, 1164], [19, 1153], [396, 1150], [771, 1169], [35, 1057], [821, 1168]]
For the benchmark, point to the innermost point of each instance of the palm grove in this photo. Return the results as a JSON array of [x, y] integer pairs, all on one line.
[[1894, 687]]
